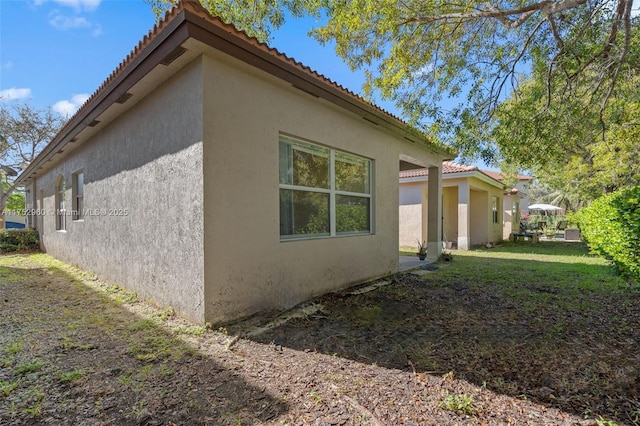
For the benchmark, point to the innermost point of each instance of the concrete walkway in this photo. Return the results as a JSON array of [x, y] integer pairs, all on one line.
[[410, 262]]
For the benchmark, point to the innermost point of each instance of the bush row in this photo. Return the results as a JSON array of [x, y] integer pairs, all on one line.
[[19, 239], [611, 228]]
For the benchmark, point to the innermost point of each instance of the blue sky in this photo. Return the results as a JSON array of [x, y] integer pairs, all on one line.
[[56, 53]]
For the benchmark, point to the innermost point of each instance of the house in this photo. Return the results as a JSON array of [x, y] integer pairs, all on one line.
[[216, 175], [472, 206], [521, 186], [516, 201]]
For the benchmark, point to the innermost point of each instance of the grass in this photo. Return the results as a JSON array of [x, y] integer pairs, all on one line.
[[91, 327], [71, 376], [461, 404]]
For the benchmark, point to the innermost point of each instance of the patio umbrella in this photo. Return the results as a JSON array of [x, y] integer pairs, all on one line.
[[544, 207]]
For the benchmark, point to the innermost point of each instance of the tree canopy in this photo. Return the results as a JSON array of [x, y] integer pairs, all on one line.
[[542, 83]]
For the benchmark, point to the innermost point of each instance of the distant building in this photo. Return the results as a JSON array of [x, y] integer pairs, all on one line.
[[472, 206]]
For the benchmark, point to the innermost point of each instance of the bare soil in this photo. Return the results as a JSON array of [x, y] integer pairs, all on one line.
[[418, 351]]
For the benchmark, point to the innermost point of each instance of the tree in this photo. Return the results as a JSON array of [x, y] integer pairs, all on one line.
[[418, 53], [576, 148], [24, 131]]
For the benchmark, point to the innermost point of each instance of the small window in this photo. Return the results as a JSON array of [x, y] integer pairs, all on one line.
[[495, 209], [61, 211], [78, 194], [323, 191], [40, 213]]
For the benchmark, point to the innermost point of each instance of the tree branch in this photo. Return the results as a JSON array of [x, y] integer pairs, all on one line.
[[546, 7]]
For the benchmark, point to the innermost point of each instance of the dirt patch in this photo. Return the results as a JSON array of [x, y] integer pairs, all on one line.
[[77, 351]]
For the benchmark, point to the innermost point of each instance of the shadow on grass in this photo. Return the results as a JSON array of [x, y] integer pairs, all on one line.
[[562, 332], [71, 355]]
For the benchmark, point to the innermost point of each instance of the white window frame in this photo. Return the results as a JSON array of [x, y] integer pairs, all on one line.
[[332, 191], [61, 211], [495, 209], [77, 195]]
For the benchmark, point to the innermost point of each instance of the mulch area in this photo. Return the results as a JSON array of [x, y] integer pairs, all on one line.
[[140, 365]]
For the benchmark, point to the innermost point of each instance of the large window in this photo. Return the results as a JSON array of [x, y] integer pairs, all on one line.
[[323, 191], [78, 194], [61, 212]]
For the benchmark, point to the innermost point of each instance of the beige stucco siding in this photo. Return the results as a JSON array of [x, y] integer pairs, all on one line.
[[411, 213], [247, 266], [147, 163]]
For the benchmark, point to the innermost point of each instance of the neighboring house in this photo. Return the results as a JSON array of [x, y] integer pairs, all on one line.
[[472, 206], [216, 175], [516, 201], [522, 186]]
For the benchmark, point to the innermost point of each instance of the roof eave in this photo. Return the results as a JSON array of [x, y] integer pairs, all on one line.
[[116, 85], [188, 22]]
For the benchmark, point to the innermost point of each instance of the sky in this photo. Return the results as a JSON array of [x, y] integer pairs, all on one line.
[[56, 53]]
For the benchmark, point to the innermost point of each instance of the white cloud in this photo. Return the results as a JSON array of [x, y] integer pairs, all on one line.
[[77, 5], [14, 93], [61, 22], [97, 30], [88, 5], [7, 65], [635, 8], [67, 108]]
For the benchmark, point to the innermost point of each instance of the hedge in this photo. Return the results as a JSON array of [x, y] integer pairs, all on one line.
[[611, 228], [19, 239]]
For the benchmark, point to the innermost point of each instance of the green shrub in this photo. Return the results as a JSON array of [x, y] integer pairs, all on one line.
[[19, 239], [611, 228]]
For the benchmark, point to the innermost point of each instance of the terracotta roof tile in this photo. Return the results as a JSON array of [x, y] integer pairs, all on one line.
[[448, 167]]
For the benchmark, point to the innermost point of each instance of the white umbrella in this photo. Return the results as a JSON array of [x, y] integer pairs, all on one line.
[[545, 207]]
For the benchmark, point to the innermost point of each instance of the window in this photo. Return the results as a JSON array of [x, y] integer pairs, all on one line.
[[495, 210], [60, 205], [78, 194], [40, 213], [323, 191]]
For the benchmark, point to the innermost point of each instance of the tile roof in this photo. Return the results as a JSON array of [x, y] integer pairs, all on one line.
[[448, 167], [227, 38]]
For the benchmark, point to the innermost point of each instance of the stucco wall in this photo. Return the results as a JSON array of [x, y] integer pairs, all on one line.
[[247, 266], [450, 213], [149, 163], [411, 213]]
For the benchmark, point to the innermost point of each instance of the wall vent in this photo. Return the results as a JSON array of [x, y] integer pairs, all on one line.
[[124, 98], [175, 54], [94, 123]]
